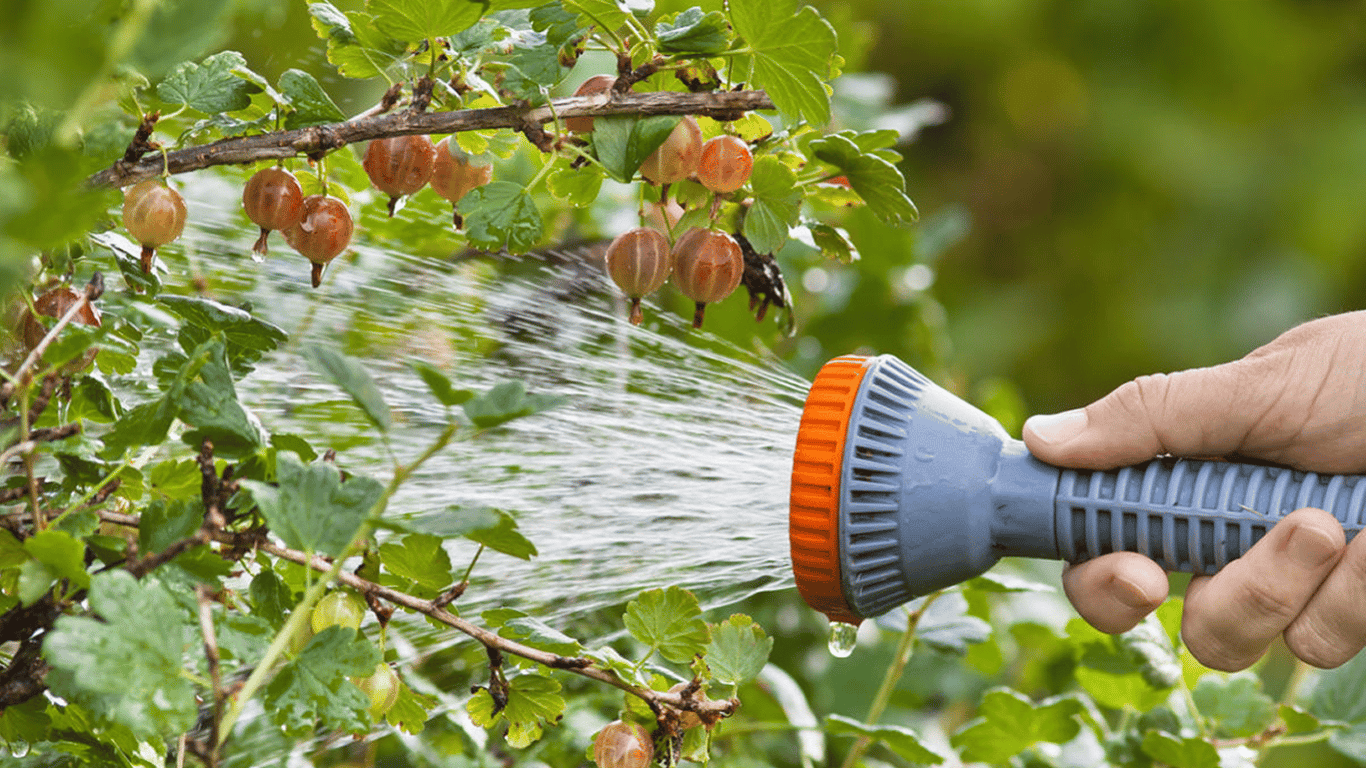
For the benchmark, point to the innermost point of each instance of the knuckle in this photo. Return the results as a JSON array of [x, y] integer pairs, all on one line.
[[1213, 651], [1316, 646], [1267, 600]]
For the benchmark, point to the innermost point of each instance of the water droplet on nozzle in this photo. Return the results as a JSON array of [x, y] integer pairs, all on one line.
[[843, 638]]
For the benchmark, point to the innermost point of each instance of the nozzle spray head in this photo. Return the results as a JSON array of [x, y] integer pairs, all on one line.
[[899, 488]]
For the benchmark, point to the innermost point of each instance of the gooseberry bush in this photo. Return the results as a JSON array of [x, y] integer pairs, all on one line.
[[182, 582]]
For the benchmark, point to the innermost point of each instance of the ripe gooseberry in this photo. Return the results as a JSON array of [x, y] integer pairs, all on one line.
[[337, 609], [154, 215], [453, 175], [400, 165], [382, 687], [676, 159], [323, 232], [725, 164], [273, 199], [707, 267], [639, 262], [56, 303], [623, 745], [594, 84]]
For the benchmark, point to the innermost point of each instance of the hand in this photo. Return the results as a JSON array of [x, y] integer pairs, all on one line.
[[1298, 401]]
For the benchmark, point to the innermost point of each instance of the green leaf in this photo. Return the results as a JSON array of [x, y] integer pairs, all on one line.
[[92, 400], [532, 72], [289, 442], [515, 625], [946, 626], [777, 201], [164, 523], [501, 214], [207, 403], [833, 243], [313, 690], [507, 401], [410, 712], [1150, 646], [61, 553], [793, 52], [533, 700], [246, 336], [310, 104], [903, 741], [12, 552], [576, 186], [693, 31], [243, 637], [872, 176], [670, 621], [419, 559], [1110, 672], [1297, 720], [1008, 722], [311, 508], [35, 579], [127, 257], [1350, 742], [503, 537], [1235, 705], [738, 650], [440, 384], [1193, 752], [212, 86], [118, 669], [355, 46], [608, 15], [413, 21], [270, 598], [354, 380], [623, 142]]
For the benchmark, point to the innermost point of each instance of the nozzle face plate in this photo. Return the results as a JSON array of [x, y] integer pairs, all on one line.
[[814, 505]]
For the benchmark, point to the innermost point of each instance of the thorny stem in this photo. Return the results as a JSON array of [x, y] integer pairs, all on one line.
[[889, 680]]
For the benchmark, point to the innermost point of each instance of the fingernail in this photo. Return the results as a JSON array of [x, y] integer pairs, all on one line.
[[1057, 428], [1131, 594], [1311, 547]]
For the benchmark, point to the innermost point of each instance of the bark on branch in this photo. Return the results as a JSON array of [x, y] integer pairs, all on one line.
[[325, 138]]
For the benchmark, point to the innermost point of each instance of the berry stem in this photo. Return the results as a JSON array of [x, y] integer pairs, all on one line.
[[260, 246], [698, 313], [637, 314], [318, 273], [148, 251]]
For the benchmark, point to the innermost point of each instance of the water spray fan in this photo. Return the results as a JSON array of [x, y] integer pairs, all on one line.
[[899, 489]]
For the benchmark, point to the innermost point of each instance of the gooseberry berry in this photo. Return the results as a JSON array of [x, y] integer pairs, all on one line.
[[338, 609], [400, 165], [382, 686], [55, 303], [323, 232], [154, 215], [623, 745], [594, 84], [639, 262], [273, 200], [662, 216], [453, 175], [725, 164], [707, 267], [676, 159]]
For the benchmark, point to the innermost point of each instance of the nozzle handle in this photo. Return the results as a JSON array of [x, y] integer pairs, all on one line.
[[1190, 515]]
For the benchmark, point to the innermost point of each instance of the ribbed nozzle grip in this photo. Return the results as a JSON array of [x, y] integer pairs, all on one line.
[[1189, 515]]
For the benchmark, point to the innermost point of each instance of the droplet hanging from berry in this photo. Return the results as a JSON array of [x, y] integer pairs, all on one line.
[[454, 175], [323, 232], [399, 166], [639, 262], [273, 200], [707, 267], [154, 215]]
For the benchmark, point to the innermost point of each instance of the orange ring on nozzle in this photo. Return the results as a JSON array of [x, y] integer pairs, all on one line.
[[814, 504]]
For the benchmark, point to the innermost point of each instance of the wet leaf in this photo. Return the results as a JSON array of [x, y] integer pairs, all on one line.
[[309, 103], [533, 700], [212, 86], [1235, 705], [670, 621], [1008, 722], [352, 377], [693, 31], [501, 214], [420, 559], [903, 741], [794, 49], [777, 201], [623, 142], [313, 689], [440, 384], [504, 537], [1180, 752], [738, 650], [505, 402], [312, 509]]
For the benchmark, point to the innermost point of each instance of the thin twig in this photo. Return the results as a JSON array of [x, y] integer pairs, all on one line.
[[93, 290], [211, 653], [325, 138]]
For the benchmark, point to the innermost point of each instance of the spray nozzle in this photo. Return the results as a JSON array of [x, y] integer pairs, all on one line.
[[899, 488]]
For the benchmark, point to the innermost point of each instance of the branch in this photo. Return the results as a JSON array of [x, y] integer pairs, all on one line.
[[324, 138]]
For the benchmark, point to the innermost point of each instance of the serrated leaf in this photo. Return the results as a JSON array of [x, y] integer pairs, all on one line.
[[419, 559], [738, 650], [309, 103], [411, 711], [313, 689], [212, 86], [440, 384], [243, 331], [1235, 705], [833, 243], [576, 186], [116, 668], [1177, 752], [1340, 693], [1110, 673], [532, 71], [608, 15], [505, 402], [270, 598], [354, 380], [61, 553], [355, 46], [311, 508], [693, 31], [1008, 722], [503, 537], [777, 201], [876, 180], [413, 21], [533, 632], [127, 257], [1152, 649], [533, 701], [501, 214], [623, 142], [903, 741], [163, 523], [206, 401], [793, 49], [670, 621], [92, 400]]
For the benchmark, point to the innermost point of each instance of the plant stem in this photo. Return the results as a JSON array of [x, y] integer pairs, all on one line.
[[889, 680]]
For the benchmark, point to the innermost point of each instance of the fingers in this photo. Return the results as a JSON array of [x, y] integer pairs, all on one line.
[[1232, 617], [1114, 592], [1199, 412], [1332, 628]]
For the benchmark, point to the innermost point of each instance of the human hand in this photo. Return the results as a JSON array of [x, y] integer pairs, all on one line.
[[1299, 401]]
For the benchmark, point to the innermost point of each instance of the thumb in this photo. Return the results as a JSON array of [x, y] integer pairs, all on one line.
[[1198, 412]]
